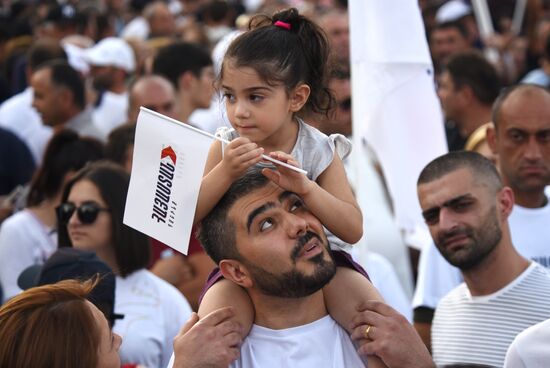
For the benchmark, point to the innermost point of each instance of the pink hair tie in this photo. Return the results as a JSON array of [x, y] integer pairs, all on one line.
[[282, 24]]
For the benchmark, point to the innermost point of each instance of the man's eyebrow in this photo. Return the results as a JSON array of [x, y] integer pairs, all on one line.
[[257, 212], [448, 203], [286, 194]]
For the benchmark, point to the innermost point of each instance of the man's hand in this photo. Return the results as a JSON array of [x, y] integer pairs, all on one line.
[[211, 342], [286, 178], [390, 336]]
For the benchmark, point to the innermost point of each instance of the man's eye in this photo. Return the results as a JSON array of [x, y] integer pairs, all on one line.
[[266, 224], [460, 206], [296, 205], [431, 218]]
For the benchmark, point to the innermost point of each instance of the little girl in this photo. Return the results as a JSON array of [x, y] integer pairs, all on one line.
[[269, 75]]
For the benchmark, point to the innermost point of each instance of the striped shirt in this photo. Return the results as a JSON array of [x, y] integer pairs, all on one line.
[[479, 329]]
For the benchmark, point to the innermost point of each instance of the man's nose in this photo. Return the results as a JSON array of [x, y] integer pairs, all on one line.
[[295, 225], [533, 151], [447, 219]]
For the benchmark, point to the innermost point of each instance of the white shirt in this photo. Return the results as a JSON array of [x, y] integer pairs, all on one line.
[[530, 349], [18, 116], [24, 241], [322, 343], [112, 112], [154, 312], [479, 329]]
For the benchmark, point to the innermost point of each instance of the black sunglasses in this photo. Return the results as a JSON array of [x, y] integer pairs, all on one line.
[[87, 212], [345, 104]]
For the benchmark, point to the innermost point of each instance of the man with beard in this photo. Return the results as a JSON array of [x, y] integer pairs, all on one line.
[[264, 239], [466, 208]]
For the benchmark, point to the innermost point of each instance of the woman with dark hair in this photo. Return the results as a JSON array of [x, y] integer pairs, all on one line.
[[90, 218], [55, 326], [29, 237]]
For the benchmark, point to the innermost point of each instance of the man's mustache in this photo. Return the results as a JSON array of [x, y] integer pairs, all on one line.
[[443, 238], [303, 241]]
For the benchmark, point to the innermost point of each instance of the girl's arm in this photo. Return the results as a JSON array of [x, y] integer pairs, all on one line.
[[219, 173], [330, 199]]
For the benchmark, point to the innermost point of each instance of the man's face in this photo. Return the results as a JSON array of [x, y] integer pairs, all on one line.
[[446, 42], [336, 27], [462, 217], [283, 245], [203, 88], [102, 77], [522, 141], [155, 95], [46, 99], [450, 99]]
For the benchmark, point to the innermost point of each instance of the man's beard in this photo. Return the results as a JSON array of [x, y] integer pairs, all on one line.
[[295, 284], [482, 241]]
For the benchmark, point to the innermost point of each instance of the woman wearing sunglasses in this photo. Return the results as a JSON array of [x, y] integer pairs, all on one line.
[[29, 237], [90, 218]]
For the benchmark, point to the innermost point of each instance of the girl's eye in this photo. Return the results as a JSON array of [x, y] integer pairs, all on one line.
[[229, 97], [256, 98], [266, 224]]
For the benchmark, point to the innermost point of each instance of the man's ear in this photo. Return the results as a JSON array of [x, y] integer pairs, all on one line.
[[492, 139], [298, 97], [505, 198], [235, 271], [185, 80]]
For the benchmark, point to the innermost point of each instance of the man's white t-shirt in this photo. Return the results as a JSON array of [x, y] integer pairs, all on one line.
[[322, 343], [112, 112], [154, 312]]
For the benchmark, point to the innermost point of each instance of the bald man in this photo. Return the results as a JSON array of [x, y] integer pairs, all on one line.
[[153, 92]]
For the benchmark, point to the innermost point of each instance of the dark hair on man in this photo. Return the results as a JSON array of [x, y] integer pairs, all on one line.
[[505, 93], [65, 76], [118, 142], [456, 24], [65, 152], [473, 70], [286, 56], [217, 231], [44, 50], [175, 59], [132, 248], [481, 168]]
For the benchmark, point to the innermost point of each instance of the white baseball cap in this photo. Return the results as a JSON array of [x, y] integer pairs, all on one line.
[[452, 10], [112, 51]]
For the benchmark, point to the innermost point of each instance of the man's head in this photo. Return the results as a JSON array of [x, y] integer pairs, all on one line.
[[336, 25], [447, 39], [521, 138], [467, 79], [111, 61], [465, 207], [340, 121], [153, 92], [160, 19], [59, 92], [264, 238], [189, 68]]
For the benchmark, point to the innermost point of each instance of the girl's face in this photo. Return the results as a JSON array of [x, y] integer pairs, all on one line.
[[97, 235], [257, 110], [109, 343]]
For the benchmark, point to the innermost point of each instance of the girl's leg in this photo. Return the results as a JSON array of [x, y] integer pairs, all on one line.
[[225, 293]]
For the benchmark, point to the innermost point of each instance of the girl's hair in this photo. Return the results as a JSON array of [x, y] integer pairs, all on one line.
[[290, 55], [50, 326], [65, 152], [132, 248]]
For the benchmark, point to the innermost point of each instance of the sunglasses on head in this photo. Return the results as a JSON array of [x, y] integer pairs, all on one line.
[[87, 212]]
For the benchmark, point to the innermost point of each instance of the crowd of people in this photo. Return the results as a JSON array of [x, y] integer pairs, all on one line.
[[283, 268]]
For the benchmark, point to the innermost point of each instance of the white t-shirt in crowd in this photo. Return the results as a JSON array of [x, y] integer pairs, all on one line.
[[18, 116], [112, 112], [322, 343], [24, 241], [530, 230], [154, 312], [531, 348], [479, 329]]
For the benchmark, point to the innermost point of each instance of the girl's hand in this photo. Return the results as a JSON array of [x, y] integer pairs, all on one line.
[[239, 155], [286, 178]]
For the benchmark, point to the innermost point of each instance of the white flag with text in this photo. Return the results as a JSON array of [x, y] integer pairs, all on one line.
[[167, 168]]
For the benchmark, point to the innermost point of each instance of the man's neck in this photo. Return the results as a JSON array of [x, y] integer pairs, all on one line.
[[281, 313], [184, 108], [499, 269], [474, 117], [531, 199]]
